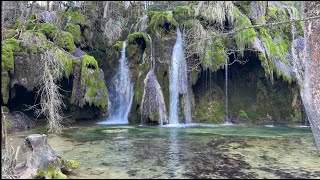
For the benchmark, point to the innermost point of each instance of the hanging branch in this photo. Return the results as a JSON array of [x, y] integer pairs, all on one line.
[[266, 25]]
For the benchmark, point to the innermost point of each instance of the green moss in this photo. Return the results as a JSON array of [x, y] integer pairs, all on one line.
[[69, 165], [51, 173], [215, 55], [277, 50], [33, 25], [132, 37], [244, 39], [75, 30], [265, 63], [66, 41], [244, 7], [69, 66], [17, 24], [8, 47], [76, 18], [131, 50], [5, 82], [183, 13], [50, 31], [118, 46], [243, 114], [158, 20], [35, 42], [212, 112], [68, 62], [96, 90]]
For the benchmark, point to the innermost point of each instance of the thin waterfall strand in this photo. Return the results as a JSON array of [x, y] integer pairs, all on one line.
[[179, 83]]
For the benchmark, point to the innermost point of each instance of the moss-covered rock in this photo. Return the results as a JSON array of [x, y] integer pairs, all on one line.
[[75, 30], [50, 31], [66, 41], [118, 46], [76, 18], [69, 166], [134, 36], [183, 13], [51, 173], [8, 47], [161, 22], [92, 83]]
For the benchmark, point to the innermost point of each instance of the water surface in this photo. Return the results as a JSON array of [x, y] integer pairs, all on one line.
[[207, 151]]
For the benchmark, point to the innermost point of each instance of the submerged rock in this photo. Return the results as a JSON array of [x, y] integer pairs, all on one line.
[[20, 122]]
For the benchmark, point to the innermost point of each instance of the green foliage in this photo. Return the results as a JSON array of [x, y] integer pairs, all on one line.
[[66, 41], [75, 30], [215, 55], [183, 13], [244, 39], [118, 46], [76, 18], [276, 49], [8, 47], [159, 19], [68, 62], [50, 31], [17, 24], [243, 114], [32, 25], [244, 7]]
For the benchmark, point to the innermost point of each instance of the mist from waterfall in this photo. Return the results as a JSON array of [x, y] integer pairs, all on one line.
[[179, 83], [120, 104]]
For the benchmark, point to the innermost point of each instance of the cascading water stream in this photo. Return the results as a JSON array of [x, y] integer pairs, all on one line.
[[227, 121], [120, 105], [179, 83]]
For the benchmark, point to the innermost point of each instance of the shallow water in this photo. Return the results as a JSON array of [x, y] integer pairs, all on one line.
[[206, 151]]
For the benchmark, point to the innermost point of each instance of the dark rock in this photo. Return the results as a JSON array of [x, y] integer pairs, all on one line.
[[78, 52]]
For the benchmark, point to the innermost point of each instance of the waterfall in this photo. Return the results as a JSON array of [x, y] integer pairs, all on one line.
[[120, 104], [179, 83], [152, 98], [227, 121]]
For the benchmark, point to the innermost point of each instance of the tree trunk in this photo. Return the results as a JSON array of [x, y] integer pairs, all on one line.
[[311, 85], [48, 5]]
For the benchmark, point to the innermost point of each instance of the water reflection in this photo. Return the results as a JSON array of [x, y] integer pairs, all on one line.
[[174, 161]]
